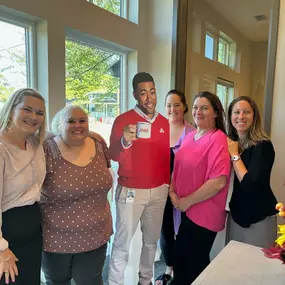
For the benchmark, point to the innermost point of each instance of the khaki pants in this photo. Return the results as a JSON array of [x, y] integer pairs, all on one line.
[[148, 207]]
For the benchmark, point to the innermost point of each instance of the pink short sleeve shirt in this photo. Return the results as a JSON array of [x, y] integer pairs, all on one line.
[[195, 163]]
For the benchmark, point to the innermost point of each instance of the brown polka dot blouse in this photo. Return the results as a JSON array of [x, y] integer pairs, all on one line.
[[75, 209]]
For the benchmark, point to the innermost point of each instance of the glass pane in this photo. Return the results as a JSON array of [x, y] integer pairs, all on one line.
[[93, 82], [230, 96], [222, 94], [209, 47], [222, 52], [226, 95], [113, 6], [13, 61]]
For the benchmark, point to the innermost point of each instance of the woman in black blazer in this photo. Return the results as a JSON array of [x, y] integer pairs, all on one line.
[[252, 216]]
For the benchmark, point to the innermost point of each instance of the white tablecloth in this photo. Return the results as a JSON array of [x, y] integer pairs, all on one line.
[[242, 264]]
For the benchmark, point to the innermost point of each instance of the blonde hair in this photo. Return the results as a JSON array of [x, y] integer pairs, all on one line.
[[15, 99], [255, 133], [59, 117]]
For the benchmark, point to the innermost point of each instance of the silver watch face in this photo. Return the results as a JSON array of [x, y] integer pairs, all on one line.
[[235, 157]]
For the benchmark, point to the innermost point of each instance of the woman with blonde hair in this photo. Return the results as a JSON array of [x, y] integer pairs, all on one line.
[[22, 172], [252, 216]]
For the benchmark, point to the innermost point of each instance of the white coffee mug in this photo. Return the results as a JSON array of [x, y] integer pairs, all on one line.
[[143, 130]]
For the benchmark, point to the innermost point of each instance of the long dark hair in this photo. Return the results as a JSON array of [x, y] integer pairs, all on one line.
[[255, 133], [217, 106], [181, 95]]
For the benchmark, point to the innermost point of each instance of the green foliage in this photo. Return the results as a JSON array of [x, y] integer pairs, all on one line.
[[88, 70], [17, 66], [5, 90], [109, 5]]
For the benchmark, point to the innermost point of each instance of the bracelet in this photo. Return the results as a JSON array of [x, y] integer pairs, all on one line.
[[7, 257]]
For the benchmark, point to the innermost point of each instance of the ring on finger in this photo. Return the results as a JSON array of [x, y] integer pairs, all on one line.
[[6, 273]]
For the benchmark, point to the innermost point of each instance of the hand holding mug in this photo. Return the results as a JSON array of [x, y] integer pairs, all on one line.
[[143, 130], [129, 134]]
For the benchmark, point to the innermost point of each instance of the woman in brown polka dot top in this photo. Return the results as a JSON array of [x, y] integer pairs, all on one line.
[[77, 221]]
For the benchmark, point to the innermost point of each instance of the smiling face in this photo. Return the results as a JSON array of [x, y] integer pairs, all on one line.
[[145, 94], [203, 113], [174, 108], [28, 116], [242, 117], [75, 126]]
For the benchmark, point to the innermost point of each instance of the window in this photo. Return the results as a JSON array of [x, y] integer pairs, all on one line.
[[225, 92], [209, 46], [15, 59], [223, 51], [93, 81], [226, 50], [219, 47], [114, 6]]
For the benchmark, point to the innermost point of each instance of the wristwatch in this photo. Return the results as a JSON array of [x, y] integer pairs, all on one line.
[[235, 158]]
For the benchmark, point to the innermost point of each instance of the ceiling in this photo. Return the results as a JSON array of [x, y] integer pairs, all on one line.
[[240, 13]]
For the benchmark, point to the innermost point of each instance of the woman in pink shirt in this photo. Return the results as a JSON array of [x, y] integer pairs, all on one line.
[[199, 188]]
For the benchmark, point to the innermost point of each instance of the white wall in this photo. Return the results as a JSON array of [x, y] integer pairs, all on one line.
[[278, 113], [159, 45], [258, 71]]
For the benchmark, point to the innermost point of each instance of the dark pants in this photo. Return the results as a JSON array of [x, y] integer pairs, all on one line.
[[84, 268], [167, 237], [21, 227], [192, 250]]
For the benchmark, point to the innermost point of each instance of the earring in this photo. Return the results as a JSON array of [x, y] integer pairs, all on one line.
[[9, 125]]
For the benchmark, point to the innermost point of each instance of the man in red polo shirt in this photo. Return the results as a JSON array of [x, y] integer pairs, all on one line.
[[143, 179]]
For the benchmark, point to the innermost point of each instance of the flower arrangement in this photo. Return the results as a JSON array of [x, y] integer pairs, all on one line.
[[278, 251]]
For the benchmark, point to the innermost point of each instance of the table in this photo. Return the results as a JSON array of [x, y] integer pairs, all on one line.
[[242, 264]]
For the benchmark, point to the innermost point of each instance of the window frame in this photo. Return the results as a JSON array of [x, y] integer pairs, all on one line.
[[229, 44], [98, 43], [230, 86], [30, 46], [214, 45], [226, 45]]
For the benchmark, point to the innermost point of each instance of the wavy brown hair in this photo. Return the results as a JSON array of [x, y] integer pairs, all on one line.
[[255, 133], [217, 106]]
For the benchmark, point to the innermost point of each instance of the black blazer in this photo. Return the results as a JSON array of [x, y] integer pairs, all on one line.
[[252, 199]]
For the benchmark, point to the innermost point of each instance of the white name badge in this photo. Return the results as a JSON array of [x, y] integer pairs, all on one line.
[[130, 196]]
